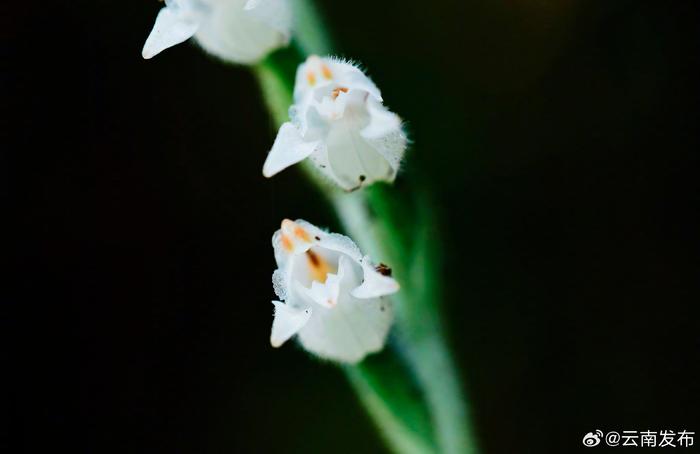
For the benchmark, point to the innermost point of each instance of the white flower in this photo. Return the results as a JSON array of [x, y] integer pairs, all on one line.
[[239, 31], [332, 294], [339, 122]]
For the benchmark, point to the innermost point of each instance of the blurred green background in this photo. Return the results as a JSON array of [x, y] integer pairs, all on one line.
[[560, 138]]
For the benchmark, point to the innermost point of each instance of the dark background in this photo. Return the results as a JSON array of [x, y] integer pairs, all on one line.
[[561, 139]]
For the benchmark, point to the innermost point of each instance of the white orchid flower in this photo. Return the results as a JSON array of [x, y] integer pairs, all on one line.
[[339, 123], [332, 296], [238, 31]]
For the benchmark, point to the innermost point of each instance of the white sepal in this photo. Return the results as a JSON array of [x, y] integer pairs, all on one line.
[[288, 149], [287, 322], [374, 283], [172, 26]]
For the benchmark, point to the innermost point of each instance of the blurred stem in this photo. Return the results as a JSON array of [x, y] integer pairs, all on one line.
[[376, 219], [387, 392], [414, 395], [309, 31]]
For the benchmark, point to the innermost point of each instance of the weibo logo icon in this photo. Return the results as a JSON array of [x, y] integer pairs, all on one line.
[[592, 439]]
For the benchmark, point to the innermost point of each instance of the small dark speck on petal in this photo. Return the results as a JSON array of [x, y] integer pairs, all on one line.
[[383, 269]]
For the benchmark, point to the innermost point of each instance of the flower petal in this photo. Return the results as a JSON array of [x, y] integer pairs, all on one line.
[[382, 122], [351, 330], [375, 284], [293, 238], [353, 78], [288, 149], [340, 243], [288, 321], [171, 27], [317, 72], [277, 14], [391, 147], [354, 161], [237, 35]]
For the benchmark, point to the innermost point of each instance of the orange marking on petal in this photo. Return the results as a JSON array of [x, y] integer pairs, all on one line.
[[311, 78], [318, 267], [326, 71], [287, 243], [336, 92], [288, 225], [302, 234]]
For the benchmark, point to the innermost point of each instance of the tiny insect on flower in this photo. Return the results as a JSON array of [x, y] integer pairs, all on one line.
[[237, 31], [331, 296], [338, 121]]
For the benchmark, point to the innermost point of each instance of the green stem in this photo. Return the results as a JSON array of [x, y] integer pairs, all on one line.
[[387, 391], [414, 394], [420, 329]]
